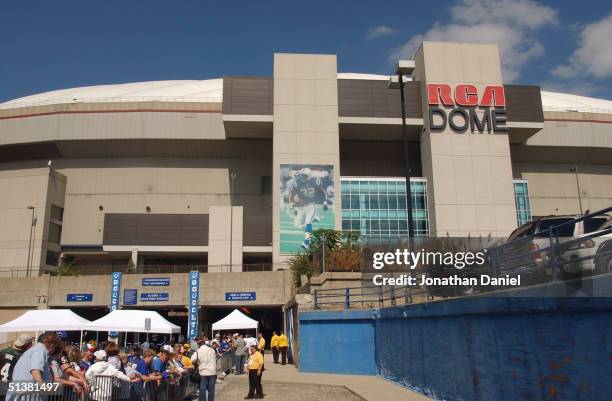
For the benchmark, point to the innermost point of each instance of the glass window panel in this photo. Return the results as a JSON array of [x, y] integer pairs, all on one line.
[[346, 201], [374, 201], [401, 202], [383, 201], [392, 201]]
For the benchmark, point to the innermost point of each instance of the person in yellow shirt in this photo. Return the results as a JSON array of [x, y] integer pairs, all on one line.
[[274, 346], [261, 344], [255, 366], [283, 343]]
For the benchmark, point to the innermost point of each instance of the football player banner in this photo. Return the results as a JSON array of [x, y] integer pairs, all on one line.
[[306, 204]]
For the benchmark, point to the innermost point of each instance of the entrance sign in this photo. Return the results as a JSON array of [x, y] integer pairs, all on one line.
[[79, 297], [194, 302], [156, 282], [240, 296], [114, 304], [154, 297], [470, 111]]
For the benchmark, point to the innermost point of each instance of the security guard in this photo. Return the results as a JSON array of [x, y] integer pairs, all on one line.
[[274, 346], [255, 366], [283, 343]]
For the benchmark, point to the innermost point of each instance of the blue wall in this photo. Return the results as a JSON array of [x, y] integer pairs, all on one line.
[[473, 349], [337, 342], [500, 348]]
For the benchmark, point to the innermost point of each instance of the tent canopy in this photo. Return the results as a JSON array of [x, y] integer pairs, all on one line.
[[46, 320], [133, 321], [235, 321]]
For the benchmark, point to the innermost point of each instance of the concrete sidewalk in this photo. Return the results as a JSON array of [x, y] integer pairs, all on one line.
[[370, 388]]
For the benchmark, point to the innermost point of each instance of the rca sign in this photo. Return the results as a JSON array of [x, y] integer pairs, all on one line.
[[471, 110]]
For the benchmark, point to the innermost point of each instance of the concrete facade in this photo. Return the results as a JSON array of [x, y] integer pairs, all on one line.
[[24, 238], [469, 175], [134, 158], [305, 122]]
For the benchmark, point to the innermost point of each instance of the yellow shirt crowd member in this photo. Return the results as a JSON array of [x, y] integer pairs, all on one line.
[[186, 361], [282, 341], [256, 361], [274, 341], [261, 343]]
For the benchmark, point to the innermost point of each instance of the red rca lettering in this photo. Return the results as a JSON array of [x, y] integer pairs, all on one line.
[[465, 100], [466, 95]]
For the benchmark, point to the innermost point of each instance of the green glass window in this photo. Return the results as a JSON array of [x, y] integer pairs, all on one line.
[[377, 207], [521, 199]]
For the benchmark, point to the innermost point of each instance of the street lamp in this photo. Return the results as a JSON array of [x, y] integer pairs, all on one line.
[[232, 178], [405, 68], [574, 169], [30, 241]]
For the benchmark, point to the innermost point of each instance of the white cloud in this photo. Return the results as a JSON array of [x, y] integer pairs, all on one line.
[[510, 24], [378, 31], [593, 55]]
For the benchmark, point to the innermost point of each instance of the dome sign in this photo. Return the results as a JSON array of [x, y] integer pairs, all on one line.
[[470, 111]]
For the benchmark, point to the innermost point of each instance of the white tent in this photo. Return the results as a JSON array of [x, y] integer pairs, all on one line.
[[46, 320], [235, 321], [133, 321]]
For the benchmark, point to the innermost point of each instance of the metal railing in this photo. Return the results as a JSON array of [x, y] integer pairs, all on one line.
[[109, 388], [540, 258], [88, 270]]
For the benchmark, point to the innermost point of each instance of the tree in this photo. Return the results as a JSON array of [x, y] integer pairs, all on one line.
[[67, 267], [300, 265]]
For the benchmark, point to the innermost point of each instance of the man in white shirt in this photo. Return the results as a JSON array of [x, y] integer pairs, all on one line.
[[250, 341], [205, 358]]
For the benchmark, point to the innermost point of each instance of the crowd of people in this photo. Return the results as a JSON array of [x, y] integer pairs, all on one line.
[[52, 359]]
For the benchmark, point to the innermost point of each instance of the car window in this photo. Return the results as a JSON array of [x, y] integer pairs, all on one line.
[[523, 230], [594, 224], [565, 231]]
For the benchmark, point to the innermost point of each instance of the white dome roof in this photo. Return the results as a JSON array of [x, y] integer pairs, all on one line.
[[211, 90], [208, 90]]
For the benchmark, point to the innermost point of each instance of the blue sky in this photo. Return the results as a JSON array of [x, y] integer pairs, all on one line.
[[46, 45]]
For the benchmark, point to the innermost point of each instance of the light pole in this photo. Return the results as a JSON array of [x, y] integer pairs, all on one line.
[[405, 67], [574, 169], [232, 178], [30, 241]]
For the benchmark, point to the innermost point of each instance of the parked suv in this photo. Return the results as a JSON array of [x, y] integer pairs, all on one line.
[[595, 244], [521, 250]]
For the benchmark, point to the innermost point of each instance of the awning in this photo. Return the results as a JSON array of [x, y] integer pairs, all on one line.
[[235, 321], [40, 320], [133, 321]]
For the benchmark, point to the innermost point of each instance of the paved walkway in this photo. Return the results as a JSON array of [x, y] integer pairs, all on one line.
[[287, 383]]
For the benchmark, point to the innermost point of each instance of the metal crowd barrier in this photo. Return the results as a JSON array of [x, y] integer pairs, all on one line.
[[108, 388]]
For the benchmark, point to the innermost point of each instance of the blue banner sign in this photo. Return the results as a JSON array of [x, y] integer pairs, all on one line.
[[114, 304], [79, 297], [154, 297], [194, 302], [240, 296], [156, 282], [130, 296]]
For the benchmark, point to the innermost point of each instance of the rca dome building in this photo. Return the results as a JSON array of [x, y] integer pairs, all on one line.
[[198, 175]]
